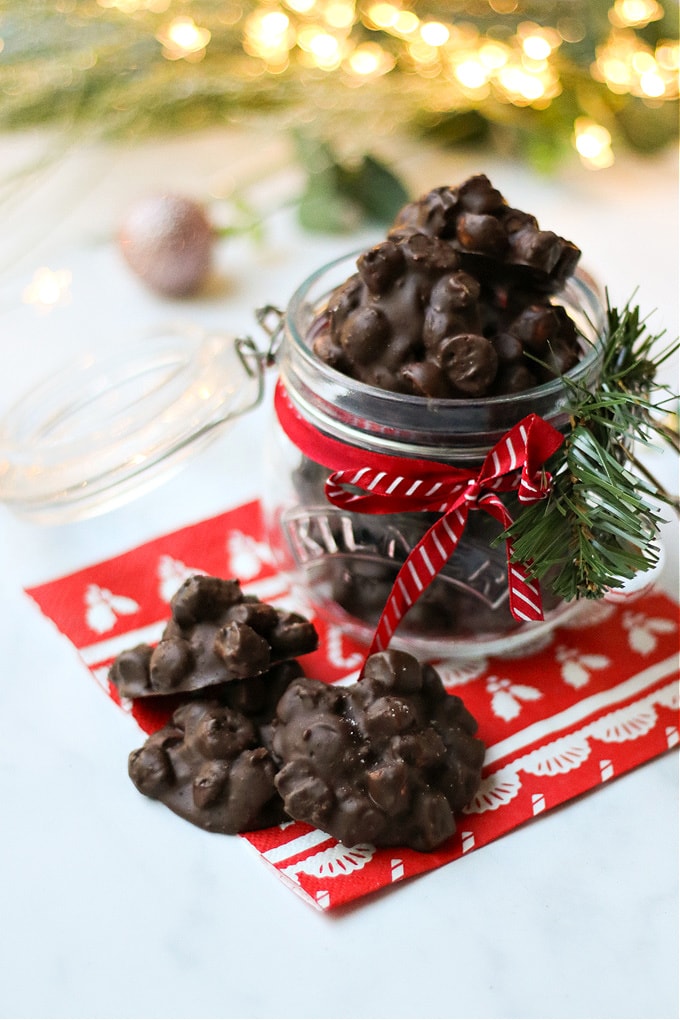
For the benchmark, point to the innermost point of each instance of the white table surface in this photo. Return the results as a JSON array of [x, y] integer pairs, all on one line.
[[112, 907]]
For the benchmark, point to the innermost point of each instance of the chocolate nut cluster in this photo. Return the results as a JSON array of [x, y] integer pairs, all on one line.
[[225, 658], [456, 302], [389, 760], [216, 634], [209, 764]]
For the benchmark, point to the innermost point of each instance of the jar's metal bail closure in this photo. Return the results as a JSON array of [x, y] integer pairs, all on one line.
[[254, 360]]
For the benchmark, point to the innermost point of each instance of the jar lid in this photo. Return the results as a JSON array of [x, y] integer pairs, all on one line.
[[110, 426]]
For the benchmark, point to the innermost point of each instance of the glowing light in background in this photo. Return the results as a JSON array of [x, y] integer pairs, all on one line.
[[635, 13], [538, 43], [668, 57], [522, 84], [48, 289], [450, 58], [369, 61], [406, 23], [434, 33], [493, 56], [521, 70], [339, 14], [627, 65], [182, 39], [471, 72], [382, 15], [269, 35], [321, 47], [300, 6], [593, 142]]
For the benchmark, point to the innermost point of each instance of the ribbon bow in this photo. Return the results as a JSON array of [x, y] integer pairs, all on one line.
[[389, 484]]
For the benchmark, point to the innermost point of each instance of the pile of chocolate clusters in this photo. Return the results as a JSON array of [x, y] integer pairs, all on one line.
[[252, 741], [456, 302]]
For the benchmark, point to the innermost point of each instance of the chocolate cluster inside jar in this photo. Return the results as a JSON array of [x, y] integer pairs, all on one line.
[[456, 302]]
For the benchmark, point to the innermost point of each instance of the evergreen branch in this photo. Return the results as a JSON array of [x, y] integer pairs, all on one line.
[[599, 524], [667, 497]]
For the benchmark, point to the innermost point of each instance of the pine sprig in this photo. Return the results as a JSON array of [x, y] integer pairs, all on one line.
[[598, 526]]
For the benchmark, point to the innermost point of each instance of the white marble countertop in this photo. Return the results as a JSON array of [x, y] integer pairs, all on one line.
[[109, 906]]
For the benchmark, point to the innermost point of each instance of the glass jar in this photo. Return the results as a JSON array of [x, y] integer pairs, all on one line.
[[346, 562]]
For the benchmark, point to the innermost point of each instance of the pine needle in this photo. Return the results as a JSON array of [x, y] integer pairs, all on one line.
[[598, 527]]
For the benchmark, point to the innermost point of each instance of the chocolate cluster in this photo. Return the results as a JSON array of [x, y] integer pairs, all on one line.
[[210, 765], [216, 634], [389, 760], [456, 302]]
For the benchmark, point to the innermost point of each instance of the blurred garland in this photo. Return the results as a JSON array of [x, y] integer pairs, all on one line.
[[349, 71]]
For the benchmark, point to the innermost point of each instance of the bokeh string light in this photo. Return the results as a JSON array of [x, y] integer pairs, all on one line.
[[182, 39], [604, 74], [48, 289]]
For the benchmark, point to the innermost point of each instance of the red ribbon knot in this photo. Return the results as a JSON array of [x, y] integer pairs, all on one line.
[[472, 492], [376, 483]]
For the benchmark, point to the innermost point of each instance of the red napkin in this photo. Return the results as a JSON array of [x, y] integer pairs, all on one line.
[[600, 698]]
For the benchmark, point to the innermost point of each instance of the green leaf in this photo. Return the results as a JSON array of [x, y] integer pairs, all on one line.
[[459, 127], [314, 155], [324, 208], [645, 131], [338, 196], [375, 188]]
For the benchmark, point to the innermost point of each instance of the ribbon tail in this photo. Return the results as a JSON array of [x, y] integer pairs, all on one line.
[[524, 592], [424, 562]]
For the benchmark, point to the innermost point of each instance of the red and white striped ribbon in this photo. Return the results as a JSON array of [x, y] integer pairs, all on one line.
[[389, 484]]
